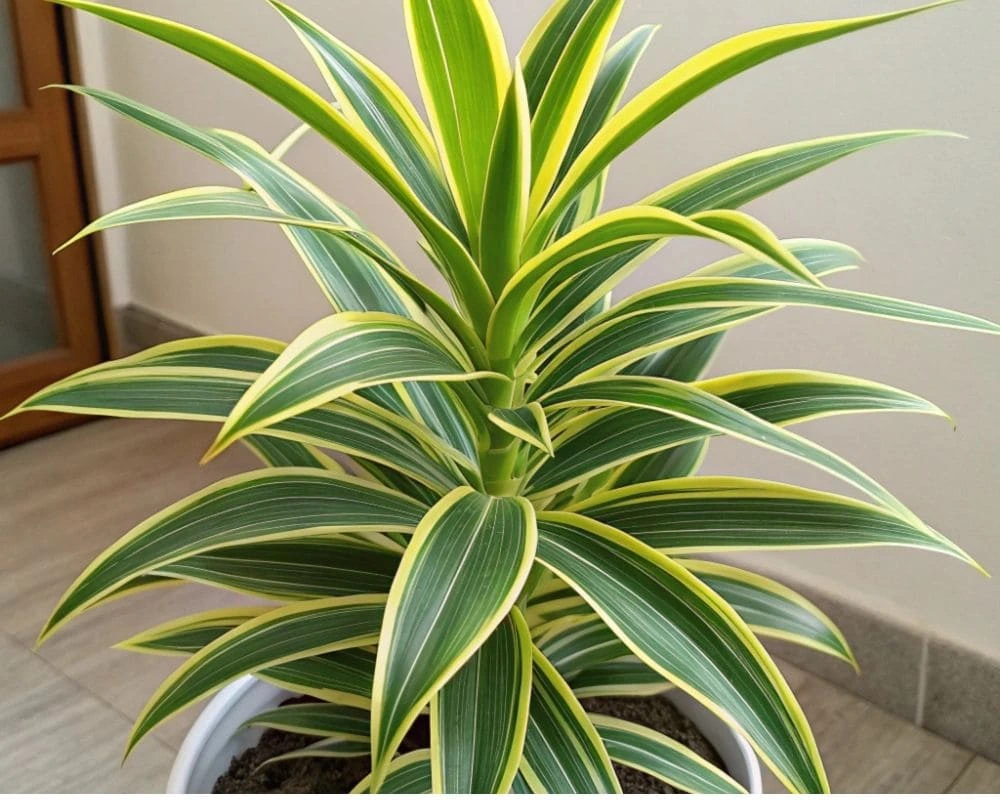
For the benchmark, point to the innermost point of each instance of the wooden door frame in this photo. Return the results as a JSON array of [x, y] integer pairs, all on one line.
[[49, 133]]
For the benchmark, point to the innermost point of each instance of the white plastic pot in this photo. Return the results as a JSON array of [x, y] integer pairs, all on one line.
[[216, 737]]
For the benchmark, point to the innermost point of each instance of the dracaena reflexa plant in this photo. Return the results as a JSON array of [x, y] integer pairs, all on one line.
[[519, 523]]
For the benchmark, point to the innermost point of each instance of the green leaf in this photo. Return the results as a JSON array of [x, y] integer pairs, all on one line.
[[695, 405], [479, 718], [674, 462], [527, 423], [707, 514], [372, 101], [560, 107], [622, 677], [286, 453], [689, 308], [335, 357], [600, 440], [580, 642], [343, 677], [651, 752], [547, 42], [260, 506], [284, 634], [311, 108], [740, 180], [458, 579], [562, 752], [314, 719], [617, 238], [688, 634], [293, 569], [461, 63], [565, 300], [408, 774], [508, 181], [340, 746], [683, 84], [771, 609], [607, 91]]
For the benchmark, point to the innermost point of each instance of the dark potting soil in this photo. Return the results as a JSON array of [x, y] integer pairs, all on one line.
[[340, 775]]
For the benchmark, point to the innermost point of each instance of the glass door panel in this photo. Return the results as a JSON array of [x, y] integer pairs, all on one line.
[[27, 322], [11, 93]]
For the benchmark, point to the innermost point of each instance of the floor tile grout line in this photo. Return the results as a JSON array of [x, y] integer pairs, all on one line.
[[87, 691], [961, 773]]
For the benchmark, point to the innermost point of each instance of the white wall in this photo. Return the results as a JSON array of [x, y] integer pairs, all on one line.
[[923, 212]]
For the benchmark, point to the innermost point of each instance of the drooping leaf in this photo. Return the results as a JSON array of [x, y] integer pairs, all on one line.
[[695, 405], [771, 609], [458, 579], [563, 753], [651, 752], [266, 505], [604, 439], [293, 569], [706, 514], [336, 356], [684, 631], [479, 717], [288, 633], [314, 719]]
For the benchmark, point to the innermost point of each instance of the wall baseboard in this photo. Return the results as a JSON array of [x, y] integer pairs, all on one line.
[[946, 688], [140, 328]]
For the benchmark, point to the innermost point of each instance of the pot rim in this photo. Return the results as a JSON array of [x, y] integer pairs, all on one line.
[[208, 721]]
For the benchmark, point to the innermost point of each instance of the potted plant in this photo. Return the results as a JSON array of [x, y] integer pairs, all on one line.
[[514, 542]]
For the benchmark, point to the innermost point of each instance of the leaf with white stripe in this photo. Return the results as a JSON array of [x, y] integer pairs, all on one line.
[[266, 505], [372, 101], [621, 677], [479, 717], [343, 677], [677, 626], [311, 108], [695, 405], [508, 181], [335, 357], [293, 569], [560, 107], [285, 634], [527, 423], [683, 84], [408, 774], [689, 308], [708, 514], [461, 64], [314, 719], [744, 178], [459, 577], [563, 753], [651, 752], [771, 609]]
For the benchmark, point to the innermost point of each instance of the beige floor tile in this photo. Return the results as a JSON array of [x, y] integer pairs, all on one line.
[[60, 738], [869, 750], [980, 777]]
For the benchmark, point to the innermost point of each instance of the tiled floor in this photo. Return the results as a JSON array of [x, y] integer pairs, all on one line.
[[66, 709]]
